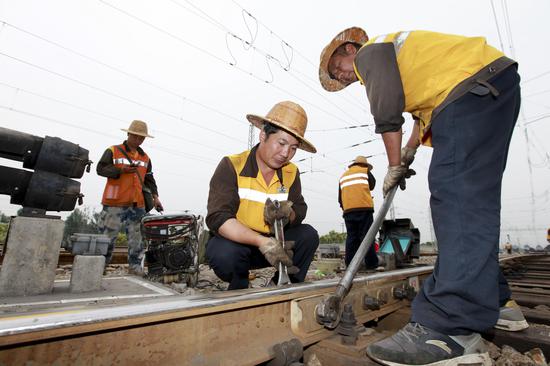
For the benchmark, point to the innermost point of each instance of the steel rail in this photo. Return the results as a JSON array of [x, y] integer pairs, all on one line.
[[206, 303]]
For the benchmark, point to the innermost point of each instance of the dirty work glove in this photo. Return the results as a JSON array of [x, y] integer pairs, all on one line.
[[289, 245], [271, 213], [274, 253], [396, 175], [407, 155]]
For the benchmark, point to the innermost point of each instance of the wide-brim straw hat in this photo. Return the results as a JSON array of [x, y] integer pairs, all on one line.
[[288, 116], [361, 160], [137, 128], [353, 34]]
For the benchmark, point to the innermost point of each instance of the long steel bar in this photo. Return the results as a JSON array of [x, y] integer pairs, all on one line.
[[199, 304], [330, 310]]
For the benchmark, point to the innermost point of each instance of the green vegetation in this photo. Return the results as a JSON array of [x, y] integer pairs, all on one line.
[[333, 237], [81, 221], [3, 232]]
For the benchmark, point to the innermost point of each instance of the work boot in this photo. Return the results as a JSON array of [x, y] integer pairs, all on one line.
[[415, 344], [511, 318]]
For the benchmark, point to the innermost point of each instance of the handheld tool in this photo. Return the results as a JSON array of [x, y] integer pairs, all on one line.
[[328, 311], [278, 228]]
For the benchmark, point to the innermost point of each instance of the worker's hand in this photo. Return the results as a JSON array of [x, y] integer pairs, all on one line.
[[396, 175], [289, 245], [272, 213], [274, 253], [157, 204], [407, 155], [128, 169]]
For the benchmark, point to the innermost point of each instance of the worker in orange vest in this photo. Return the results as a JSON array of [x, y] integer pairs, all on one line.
[[129, 173]]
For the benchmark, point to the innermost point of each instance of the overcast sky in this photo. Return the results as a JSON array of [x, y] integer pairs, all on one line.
[[81, 70]]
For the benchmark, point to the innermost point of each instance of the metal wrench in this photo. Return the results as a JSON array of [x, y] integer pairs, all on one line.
[[280, 237], [328, 311]]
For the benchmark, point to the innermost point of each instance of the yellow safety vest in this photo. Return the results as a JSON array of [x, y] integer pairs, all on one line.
[[431, 64], [354, 188], [254, 191]]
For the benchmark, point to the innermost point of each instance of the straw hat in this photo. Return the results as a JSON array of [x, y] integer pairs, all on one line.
[[361, 160], [137, 128], [288, 116], [353, 34]]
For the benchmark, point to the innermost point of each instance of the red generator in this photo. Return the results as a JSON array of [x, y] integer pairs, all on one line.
[[172, 253]]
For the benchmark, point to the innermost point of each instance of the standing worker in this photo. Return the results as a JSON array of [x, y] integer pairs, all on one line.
[[356, 201], [464, 96], [129, 172], [240, 208]]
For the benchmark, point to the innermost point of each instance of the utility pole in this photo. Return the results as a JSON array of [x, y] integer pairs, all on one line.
[[432, 232], [251, 130], [392, 212]]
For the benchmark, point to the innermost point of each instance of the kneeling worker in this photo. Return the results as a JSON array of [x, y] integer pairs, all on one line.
[[238, 213]]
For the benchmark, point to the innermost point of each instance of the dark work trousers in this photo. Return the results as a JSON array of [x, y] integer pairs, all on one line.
[[231, 261], [357, 226], [470, 139]]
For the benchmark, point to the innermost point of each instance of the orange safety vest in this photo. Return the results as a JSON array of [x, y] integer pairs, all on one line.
[[126, 190], [354, 189]]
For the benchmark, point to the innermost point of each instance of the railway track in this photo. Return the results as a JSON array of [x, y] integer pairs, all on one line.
[[247, 327], [120, 256]]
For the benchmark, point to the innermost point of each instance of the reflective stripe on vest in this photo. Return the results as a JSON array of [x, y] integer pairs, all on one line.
[[259, 196], [355, 189], [126, 190], [398, 40], [124, 161], [431, 65], [254, 191]]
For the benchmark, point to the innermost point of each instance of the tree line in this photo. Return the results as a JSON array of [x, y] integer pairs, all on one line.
[[79, 221]]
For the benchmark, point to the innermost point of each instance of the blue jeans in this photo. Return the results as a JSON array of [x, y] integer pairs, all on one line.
[[357, 226], [470, 140], [231, 261]]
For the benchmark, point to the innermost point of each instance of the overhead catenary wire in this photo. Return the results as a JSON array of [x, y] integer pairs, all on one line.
[[169, 34], [101, 133], [121, 71], [129, 100], [104, 115], [315, 65], [268, 56], [341, 128]]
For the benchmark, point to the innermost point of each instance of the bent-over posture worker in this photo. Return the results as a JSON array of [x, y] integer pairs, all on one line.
[[127, 169], [240, 214], [356, 201], [464, 96]]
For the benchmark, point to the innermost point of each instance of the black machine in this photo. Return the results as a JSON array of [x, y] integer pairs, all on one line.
[[172, 247], [399, 242], [54, 161]]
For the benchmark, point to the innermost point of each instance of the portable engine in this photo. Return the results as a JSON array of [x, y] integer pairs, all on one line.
[[172, 247]]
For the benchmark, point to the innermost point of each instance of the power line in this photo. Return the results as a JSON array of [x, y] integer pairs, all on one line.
[[341, 128], [250, 45], [535, 77], [120, 97], [120, 71], [220, 59], [101, 133], [103, 114], [349, 99]]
